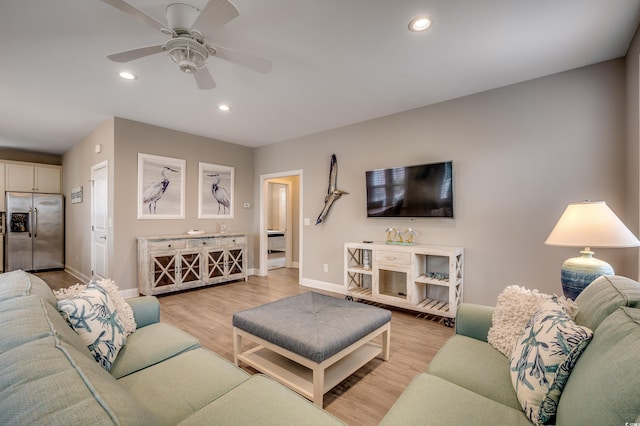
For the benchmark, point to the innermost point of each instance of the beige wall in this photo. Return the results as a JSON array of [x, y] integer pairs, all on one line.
[[521, 154], [633, 141], [132, 138], [76, 171], [30, 157]]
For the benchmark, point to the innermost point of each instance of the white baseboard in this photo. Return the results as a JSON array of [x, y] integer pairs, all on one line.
[[82, 278], [323, 285], [129, 293]]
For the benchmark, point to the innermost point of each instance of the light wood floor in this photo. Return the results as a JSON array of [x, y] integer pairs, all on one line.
[[362, 399]]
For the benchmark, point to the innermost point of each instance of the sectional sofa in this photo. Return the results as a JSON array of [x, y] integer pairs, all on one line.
[[161, 376], [469, 381]]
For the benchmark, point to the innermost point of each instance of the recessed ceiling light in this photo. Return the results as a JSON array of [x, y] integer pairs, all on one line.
[[127, 75], [224, 107], [420, 23]]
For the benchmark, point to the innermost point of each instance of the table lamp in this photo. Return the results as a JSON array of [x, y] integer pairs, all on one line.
[[588, 224]]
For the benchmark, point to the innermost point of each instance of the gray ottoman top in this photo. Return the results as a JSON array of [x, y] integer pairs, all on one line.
[[311, 324]]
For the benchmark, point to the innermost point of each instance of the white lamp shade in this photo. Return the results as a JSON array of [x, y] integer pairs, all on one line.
[[591, 224]]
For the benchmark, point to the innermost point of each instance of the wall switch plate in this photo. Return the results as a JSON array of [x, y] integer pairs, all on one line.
[[326, 267], [307, 221]]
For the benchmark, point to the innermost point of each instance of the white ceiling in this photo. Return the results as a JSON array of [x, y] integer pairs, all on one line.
[[335, 62]]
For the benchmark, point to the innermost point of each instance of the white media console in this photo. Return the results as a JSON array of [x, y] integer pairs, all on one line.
[[423, 278]]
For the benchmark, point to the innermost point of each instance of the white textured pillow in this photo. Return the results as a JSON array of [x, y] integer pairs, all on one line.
[[125, 313], [513, 310]]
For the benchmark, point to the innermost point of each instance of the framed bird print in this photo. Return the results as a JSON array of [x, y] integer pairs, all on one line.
[[161, 187], [215, 191]]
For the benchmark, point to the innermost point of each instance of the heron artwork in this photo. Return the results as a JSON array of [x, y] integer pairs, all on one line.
[[221, 194], [333, 193], [153, 193]]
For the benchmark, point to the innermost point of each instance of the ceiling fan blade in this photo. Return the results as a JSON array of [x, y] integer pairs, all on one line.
[[138, 14], [255, 63], [215, 14], [204, 80], [141, 52]]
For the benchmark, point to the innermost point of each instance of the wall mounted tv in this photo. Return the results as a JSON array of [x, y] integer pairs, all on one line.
[[414, 191]]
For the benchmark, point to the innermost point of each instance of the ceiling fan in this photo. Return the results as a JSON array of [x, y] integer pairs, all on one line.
[[188, 28]]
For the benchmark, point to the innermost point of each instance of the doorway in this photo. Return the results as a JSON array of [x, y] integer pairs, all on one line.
[[280, 224], [99, 220]]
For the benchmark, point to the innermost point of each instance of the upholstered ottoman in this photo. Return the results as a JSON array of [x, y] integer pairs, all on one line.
[[311, 342]]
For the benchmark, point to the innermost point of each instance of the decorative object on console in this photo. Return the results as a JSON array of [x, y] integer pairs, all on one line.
[[333, 193], [404, 238], [588, 224], [391, 234]]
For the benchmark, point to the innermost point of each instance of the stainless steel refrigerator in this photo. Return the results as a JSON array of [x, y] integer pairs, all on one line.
[[34, 231]]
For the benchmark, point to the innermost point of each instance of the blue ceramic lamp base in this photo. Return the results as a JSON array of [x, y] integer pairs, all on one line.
[[579, 272]]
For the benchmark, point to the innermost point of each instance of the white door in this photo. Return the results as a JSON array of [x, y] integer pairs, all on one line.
[[99, 220]]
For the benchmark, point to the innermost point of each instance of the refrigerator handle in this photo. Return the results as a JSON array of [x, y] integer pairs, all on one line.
[[35, 220], [29, 223]]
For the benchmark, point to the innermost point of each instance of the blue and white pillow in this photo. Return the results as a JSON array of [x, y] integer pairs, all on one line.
[[543, 358], [93, 315]]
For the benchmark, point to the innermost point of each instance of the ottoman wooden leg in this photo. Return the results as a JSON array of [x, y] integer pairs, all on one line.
[[237, 345], [386, 342], [318, 385]]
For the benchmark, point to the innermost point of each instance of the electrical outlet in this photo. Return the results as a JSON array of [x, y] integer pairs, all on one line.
[[326, 267]]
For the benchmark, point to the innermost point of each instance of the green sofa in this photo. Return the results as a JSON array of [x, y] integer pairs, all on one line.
[[160, 377], [468, 381]]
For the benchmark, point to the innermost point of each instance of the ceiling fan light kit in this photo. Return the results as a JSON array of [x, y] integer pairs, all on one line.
[[188, 27], [187, 53]]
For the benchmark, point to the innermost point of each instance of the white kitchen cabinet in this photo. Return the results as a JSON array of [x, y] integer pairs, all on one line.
[[32, 177]]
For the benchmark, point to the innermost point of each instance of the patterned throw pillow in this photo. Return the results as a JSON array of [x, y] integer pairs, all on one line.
[[93, 315], [125, 313], [543, 359]]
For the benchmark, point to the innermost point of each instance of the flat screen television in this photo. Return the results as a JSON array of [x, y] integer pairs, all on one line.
[[414, 191]]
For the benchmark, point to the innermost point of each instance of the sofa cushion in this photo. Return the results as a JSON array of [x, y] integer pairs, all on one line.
[[19, 283], [48, 382], [431, 400], [261, 401], [182, 385], [543, 359], [485, 373], [605, 295], [29, 318], [93, 315], [603, 388], [150, 345]]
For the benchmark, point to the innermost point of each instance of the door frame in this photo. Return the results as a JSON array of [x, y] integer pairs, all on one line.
[[264, 244], [94, 168]]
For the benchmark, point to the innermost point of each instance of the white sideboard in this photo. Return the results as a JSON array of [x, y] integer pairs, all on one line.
[[427, 279], [179, 262]]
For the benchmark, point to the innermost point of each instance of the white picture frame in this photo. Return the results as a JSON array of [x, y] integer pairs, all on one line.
[[161, 187], [215, 191]]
